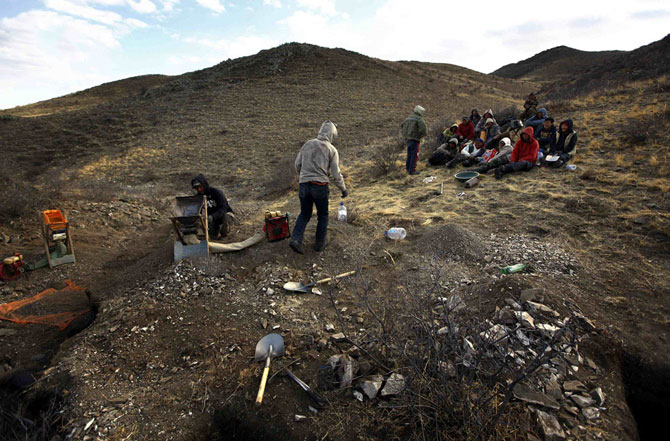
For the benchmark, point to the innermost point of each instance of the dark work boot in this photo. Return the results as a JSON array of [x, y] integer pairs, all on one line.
[[297, 247]]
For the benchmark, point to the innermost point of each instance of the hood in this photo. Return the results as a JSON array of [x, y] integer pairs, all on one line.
[[569, 122], [328, 132], [506, 141], [200, 179], [489, 111], [530, 132], [454, 126], [543, 111], [419, 110], [474, 111]]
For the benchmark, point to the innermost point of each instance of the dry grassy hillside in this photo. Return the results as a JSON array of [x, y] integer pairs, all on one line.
[[103, 94], [169, 354]]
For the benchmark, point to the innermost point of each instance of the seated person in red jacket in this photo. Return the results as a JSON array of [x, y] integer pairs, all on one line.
[[524, 155], [465, 130]]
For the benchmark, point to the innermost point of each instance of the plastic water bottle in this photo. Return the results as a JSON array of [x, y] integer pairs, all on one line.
[[571, 167], [342, 213], [513, 268], [396, 233]]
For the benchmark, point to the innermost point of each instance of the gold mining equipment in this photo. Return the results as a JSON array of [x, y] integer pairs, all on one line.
[[190, 223], [57, 238]]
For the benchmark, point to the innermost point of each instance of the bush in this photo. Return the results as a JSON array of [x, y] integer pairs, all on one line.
[[284, 177], [18, 198], [385, 157]]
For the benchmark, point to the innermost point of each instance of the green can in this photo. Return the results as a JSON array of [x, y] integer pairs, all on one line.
[[519, 267]]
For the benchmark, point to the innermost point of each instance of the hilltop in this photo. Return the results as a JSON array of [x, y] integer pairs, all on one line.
[[554, 64], [564, 70]]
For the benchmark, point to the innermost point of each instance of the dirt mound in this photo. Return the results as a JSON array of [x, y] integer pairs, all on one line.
[[453, 241]]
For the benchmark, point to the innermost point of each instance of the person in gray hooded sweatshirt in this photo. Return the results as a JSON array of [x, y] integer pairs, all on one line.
[[505, 149], [315, 161]]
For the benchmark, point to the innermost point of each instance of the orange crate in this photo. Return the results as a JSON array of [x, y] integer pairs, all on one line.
[[54, 219]]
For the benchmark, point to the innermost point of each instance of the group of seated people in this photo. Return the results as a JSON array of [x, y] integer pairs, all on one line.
[[479, 141]]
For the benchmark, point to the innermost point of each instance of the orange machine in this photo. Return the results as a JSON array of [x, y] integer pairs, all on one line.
[[57, 238]]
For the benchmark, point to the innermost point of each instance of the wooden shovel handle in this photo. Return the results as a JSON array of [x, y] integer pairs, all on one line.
[[264, 379], [339, 276]]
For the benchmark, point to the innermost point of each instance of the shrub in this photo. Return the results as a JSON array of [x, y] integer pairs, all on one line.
[[18, 198], [385, 157], [284, 177]]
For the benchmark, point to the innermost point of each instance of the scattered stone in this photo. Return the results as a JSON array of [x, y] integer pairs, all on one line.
[[547, 330], [532, 294], [313, 409], [488, 259], [591, 413], [358, 396], [539, 307], [496, 333], [525, 319], [330, 328], [270, 291], [598, 396], [395, 384], [338, 372], [506, 317], [371, 386], [6, 332], [275, 327], [264, 323], [338, 338], [525, 393], [582, 401], [584, 321], [551, 428], [443, 331], [299, 418], [514, 304], [574, 386], [553, 389], [448, 368]]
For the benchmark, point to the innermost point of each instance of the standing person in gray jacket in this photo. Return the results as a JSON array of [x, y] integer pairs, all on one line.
[[413, 128], [316, 160]]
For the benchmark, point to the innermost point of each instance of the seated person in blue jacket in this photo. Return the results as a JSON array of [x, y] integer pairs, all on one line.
[[546, 134], [537, 120], [564, 145], [219, 213]]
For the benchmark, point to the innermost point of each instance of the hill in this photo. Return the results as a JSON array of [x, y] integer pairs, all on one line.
[[277, 98], [102, 94], [553, 64]]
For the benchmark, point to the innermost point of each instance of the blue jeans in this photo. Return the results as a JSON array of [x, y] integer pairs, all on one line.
[[412, 155], [310, 195]]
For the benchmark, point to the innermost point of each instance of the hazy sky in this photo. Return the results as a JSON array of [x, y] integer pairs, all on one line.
[[50, 48]]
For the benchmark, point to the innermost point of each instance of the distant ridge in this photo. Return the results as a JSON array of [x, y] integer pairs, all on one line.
[[553, 64]]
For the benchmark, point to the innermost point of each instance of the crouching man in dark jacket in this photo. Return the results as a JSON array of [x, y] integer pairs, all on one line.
[[219, 213]]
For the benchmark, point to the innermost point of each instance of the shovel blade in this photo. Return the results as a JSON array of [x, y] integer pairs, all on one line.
[[263, 347], [296, 287]]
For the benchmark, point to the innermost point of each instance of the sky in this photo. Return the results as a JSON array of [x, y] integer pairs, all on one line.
[[50, 48]]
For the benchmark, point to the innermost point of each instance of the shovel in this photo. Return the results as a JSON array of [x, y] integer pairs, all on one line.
[[301, 287], [272, 345]]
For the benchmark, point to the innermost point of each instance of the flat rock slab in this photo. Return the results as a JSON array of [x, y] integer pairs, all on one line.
[[525, 393], [394, 385], [551, 428], [371, 386]]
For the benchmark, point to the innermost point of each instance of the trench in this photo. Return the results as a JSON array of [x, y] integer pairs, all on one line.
[[236, 423], [647, 387], [36, 411]]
